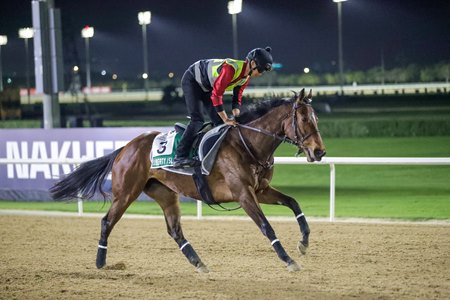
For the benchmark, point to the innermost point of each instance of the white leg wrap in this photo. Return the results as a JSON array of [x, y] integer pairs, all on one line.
[[300, 215], [184, 245], [102, 247], [274, 241]]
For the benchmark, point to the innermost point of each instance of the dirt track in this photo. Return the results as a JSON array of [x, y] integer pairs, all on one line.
[[54, 258]]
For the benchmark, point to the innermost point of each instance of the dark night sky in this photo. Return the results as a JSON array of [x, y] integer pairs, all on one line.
[[301, 33]]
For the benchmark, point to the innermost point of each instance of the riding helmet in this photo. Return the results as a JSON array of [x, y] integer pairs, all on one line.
[[262, 57]]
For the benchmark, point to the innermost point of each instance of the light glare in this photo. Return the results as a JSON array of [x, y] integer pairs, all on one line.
[[234, 7], [26, 33], [144, 17], [87, 32], [3, 40]]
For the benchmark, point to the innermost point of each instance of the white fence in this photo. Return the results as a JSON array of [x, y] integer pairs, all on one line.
[[259, 92], [331, 161]]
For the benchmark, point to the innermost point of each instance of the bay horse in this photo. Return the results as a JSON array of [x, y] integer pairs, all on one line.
[[242, 173]]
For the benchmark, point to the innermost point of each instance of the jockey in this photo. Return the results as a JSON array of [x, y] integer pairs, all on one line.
[[206, 81]]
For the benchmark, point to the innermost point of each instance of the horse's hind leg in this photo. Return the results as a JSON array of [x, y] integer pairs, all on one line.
[[124, 195], [118, 208], [168, 200], [272, 196]]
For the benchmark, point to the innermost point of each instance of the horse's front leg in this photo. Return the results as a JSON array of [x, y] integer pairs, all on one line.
[[251, 206], [168, 200], [272, 196]]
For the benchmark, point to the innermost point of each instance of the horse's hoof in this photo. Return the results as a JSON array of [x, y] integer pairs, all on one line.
[[100, 262], [293, 267], [302, 247], [202, 268], [100, 265]]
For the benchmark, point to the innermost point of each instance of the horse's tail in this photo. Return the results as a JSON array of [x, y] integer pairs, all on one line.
[[85, 180]]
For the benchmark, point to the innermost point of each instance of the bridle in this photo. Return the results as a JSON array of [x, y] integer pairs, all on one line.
[[298, 139]]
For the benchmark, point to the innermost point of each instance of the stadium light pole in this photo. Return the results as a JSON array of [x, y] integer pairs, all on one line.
[[3, 41], [340, 51], [26, 34], [145, 18], [235, 7], [87, 32]]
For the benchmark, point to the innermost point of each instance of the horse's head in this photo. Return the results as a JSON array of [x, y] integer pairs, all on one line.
[[301, 127]]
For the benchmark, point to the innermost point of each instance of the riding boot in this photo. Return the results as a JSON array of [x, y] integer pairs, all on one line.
[[182, 154]]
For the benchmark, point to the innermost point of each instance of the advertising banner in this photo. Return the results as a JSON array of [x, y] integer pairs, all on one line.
[[31, 181]]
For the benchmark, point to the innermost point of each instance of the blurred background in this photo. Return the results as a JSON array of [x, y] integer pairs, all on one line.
[[346, 51], [379, 71]]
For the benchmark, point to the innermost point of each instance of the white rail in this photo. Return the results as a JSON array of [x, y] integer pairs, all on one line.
[[331, 161], [258, 92]]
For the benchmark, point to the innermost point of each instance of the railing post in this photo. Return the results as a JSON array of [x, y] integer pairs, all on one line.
[[332, 191], [80, 205], [199, 210]]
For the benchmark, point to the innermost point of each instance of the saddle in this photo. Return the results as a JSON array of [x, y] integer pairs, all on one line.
[[205, 148]]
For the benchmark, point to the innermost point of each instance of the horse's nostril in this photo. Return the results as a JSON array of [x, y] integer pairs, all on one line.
[[319, 153]]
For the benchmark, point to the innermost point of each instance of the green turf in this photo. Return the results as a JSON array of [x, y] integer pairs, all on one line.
[[373, 191], [138, 207], [409, 192]]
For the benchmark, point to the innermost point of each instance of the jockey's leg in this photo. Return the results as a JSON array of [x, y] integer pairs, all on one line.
[[185, 145], [193, 95]]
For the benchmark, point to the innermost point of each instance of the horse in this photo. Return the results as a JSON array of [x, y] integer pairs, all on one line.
[[242, 173]]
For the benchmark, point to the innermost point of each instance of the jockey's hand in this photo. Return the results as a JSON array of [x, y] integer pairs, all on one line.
[[231, 122], [236, 112]]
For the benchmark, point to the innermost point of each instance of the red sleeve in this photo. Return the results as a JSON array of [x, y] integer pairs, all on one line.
[[241, 90], [220, 85]]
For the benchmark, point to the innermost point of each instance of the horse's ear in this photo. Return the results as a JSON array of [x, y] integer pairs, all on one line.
[[295, 95], [301, 96], [308, 99]]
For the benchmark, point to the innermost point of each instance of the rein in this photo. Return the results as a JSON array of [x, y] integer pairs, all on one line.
[[267, 164], [298, 140]]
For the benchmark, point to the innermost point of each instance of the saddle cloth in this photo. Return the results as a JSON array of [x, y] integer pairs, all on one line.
[[165, 144]]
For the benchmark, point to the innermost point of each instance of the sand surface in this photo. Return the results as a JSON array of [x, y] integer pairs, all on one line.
[[54, 258]]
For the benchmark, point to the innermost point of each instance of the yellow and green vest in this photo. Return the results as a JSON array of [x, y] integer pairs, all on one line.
[[206, 72]]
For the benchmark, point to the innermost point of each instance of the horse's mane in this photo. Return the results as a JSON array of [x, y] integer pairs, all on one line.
[[256, 111]]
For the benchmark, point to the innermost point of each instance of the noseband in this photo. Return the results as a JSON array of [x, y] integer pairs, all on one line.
[[298, 140]]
